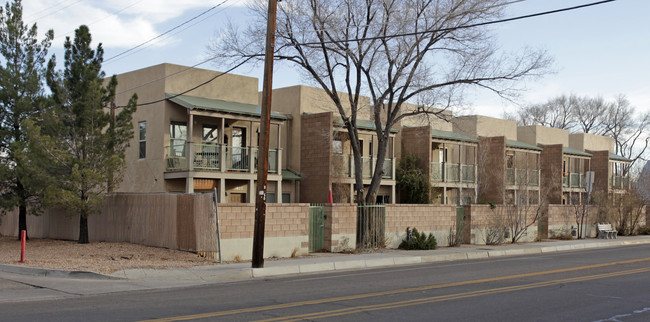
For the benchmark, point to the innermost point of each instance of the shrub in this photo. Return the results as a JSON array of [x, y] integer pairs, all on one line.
[[416, 240]]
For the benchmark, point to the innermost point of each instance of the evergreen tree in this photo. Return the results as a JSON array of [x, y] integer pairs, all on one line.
[[21, 97], [413, 182], [87, 148]]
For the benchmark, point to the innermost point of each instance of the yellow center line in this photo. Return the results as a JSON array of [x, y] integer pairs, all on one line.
[[441, 298], [392, 292]]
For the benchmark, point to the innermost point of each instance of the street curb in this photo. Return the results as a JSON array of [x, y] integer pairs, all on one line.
[[34, 271]]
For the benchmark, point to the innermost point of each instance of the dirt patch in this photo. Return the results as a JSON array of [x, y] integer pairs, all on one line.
[[99, 257]]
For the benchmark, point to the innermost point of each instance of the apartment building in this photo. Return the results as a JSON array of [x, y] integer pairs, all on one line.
[[204, 139], [611, 171], [448, 159], [319, 146]]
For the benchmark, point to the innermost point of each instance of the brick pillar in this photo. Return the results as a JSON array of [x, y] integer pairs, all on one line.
[[492, 169], [551, 172], [316, 157]]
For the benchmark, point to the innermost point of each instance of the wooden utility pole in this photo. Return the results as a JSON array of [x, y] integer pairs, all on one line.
[[263, 149]]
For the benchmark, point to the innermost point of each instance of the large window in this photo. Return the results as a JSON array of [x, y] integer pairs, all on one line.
[[143, 139], [177, 138]]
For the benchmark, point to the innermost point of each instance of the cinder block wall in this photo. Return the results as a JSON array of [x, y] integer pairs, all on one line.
[[438, 220], [551, 172], [483, 217], [492, 169], [315, 157], [600, 167], [286, 230], [561, 218], [340, 227]]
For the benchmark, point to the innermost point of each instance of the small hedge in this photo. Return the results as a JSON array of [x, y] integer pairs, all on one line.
[[416, 240]]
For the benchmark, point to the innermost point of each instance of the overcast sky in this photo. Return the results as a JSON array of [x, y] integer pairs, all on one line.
[[601, 50]]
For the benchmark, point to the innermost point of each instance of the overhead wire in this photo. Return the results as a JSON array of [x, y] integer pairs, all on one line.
[[166, 32], [415, 33], [171, 34], [199, 85], [115, 13], [58, 10], [358, 39]]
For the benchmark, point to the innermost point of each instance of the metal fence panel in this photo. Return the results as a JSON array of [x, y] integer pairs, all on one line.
[[316, 227], [371, 226]]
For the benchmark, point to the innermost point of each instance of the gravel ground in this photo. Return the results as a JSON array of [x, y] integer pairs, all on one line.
[[99, 257]]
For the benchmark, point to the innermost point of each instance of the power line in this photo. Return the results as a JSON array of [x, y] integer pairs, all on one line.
[[460, 27], [166, 32], [53, 12], [115, 13], [197, 86], [172, 33]]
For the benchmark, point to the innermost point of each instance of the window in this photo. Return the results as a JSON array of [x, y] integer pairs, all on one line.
[[210, 134], [177, 138], [286, 198], [143, 139], [270, 197], [337, 146]]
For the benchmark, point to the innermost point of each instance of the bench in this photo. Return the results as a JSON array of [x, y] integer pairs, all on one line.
[[605, 231]]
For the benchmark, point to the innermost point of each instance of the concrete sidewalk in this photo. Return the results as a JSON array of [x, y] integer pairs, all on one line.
[[38, 284]]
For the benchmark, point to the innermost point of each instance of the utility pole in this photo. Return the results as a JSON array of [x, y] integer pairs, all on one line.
[[263, 149]]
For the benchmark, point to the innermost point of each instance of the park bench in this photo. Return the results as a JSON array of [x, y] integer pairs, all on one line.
[[605, 231]]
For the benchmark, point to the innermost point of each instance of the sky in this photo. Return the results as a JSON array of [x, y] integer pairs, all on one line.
[[597, 51]]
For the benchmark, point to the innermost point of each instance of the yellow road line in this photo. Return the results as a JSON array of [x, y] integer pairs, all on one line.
[[391, 292], [441, 298]]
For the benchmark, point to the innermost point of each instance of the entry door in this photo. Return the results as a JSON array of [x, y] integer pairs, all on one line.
[[239, 155], [237, 198]]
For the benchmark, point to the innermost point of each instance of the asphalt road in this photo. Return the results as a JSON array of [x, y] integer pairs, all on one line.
[[611, 284]]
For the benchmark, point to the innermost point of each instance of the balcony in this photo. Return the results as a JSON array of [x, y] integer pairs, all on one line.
[[452, 172], [620, 182], [522, 176], [217, 157], [343, 165]]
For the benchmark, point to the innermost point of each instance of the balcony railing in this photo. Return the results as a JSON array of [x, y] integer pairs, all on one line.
[[452, 172], [467, 173], [522, 176], [209, 157], [620, 182], [343, 165]]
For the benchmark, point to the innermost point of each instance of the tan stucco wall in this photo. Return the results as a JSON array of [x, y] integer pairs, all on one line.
[[476, 126], [585, 141], [146, 175], [537, 134]]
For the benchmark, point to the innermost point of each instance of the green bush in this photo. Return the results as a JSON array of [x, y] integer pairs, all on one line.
[[417, 240]]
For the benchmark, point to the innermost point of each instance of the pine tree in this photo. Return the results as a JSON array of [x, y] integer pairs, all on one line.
[[21, 97], [80, 130]]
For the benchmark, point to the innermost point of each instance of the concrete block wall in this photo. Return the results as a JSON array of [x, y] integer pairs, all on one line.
[[551, 172], [286, 230], [435, 219], [600, 167], [316, 157], [561, 219], [483, 217], [492, 169], [340, 227]]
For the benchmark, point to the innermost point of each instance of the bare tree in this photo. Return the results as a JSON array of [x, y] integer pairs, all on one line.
[[557, 112], [628, 129], [394, 51]]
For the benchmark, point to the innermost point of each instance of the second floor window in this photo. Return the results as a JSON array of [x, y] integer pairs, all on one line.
[[177, 138], [143, 140]]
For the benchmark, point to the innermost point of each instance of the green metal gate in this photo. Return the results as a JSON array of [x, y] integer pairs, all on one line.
[[316, 227]]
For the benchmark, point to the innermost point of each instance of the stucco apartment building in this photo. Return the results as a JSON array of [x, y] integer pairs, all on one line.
[[204, 139], [207, 138]]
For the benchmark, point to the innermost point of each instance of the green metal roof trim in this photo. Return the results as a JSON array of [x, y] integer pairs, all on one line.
[[363, 125], [194, 102], [618, 158], [576, 152], [288, 174], [521, 145], [447, 135]]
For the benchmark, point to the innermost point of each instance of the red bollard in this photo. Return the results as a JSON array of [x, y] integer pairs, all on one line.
[[23, 234]]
